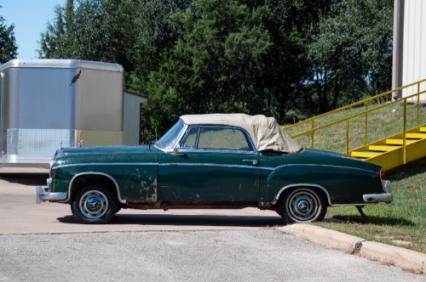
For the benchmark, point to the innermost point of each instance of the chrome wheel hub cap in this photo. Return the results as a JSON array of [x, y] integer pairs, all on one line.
[[93, 204], [303, 206]]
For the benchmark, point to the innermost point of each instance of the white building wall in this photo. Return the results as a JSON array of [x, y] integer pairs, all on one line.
[[414, 46], [131, 118]]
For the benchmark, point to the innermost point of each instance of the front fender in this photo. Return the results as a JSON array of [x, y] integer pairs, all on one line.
[[133, 182]]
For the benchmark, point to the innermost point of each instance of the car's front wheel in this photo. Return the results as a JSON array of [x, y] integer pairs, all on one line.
[[94, 204], [302, 205]]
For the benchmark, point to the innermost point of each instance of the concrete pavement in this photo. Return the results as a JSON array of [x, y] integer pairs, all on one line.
[[20, 215], [43, 243], [253, 255]]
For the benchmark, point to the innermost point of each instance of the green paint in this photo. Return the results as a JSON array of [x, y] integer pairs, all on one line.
[[147, 175]]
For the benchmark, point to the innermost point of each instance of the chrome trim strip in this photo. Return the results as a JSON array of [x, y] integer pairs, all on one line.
[[189, 150], [168, 164], [325, 165], [105, 164], [180, 135], [302, 185], [377, 198], [94, 173], [217, 165]]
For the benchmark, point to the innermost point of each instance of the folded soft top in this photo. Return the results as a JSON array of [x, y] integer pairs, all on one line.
[[265, 132]]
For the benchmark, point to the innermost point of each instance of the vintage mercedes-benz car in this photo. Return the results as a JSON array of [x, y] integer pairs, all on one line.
[[212, 161]]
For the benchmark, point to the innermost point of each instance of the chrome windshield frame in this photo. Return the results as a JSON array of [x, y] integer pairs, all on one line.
[[176, 140]]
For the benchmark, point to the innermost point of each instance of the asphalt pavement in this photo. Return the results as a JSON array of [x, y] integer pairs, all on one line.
[[44, 243]]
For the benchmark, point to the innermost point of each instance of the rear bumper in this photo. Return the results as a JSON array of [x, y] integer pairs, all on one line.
[[377, 198], [385, 197], [43, 194]]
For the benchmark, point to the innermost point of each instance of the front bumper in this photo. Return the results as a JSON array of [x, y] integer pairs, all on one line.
[[385, 197], [43, 194]]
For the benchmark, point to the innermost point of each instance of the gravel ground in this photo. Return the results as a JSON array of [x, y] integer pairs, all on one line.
[[258, 255]]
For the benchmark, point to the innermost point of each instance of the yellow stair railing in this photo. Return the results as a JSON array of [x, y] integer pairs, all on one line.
[[381, 129]]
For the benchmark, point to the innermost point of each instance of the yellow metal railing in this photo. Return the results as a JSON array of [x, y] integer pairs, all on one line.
[[407, 94]]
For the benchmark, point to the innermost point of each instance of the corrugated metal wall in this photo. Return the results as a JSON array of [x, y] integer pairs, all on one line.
[[414, 46]]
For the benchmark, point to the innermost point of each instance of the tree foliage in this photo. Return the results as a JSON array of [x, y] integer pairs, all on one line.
[[8, 48], [350, 52], [285, 58]]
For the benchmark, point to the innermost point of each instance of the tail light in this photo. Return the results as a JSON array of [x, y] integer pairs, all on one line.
[[382, 175]]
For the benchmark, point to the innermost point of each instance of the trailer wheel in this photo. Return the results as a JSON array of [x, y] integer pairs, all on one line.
[[94, 204]]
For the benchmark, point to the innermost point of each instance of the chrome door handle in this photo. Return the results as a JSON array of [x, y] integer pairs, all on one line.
[[251, 161]]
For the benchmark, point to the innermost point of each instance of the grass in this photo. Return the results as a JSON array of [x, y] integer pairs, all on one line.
[[381, 123], [401, 223]]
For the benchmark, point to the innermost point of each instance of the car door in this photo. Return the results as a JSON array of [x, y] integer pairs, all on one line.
[[212, 164]]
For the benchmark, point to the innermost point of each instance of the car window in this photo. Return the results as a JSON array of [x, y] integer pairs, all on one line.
[[190, 138], [222, 138]]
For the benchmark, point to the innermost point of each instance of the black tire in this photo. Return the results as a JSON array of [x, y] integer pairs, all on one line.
[[302, 205], [94, 204]]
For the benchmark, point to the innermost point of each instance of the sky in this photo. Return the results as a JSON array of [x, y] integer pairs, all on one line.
[[30, 18]]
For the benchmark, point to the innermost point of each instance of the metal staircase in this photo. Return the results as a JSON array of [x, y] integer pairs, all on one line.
[[381, 129]]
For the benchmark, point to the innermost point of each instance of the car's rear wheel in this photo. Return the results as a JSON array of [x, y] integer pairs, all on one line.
[[302, 205], [94, 204]]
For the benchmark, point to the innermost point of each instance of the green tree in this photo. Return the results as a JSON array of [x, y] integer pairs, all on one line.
[[233, 56], [213, 64], [156, 31], [350, 52], [53, 42], [94, 30], [69, 16], [285, 58], [8, 48], [286, 66]]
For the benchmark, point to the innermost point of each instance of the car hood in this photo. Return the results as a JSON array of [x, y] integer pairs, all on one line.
[[115, 149], [105, 154]]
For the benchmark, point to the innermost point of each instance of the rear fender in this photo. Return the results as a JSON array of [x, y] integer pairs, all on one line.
[[340, 184]]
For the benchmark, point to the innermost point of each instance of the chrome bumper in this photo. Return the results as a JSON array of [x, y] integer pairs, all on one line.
[[385, 197], [43, 194], [377, 198]]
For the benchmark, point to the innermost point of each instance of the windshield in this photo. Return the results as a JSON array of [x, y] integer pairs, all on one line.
[[170, 137]]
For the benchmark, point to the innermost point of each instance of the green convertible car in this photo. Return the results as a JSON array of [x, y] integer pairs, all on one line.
[[212, 161]]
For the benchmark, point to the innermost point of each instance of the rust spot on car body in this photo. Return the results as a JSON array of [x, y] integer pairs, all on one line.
[[148, 186]]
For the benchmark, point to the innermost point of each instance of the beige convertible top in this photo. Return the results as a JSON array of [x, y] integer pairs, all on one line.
[[265, 132]]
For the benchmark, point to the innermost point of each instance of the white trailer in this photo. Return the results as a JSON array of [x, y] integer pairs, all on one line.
[[48, 104]]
